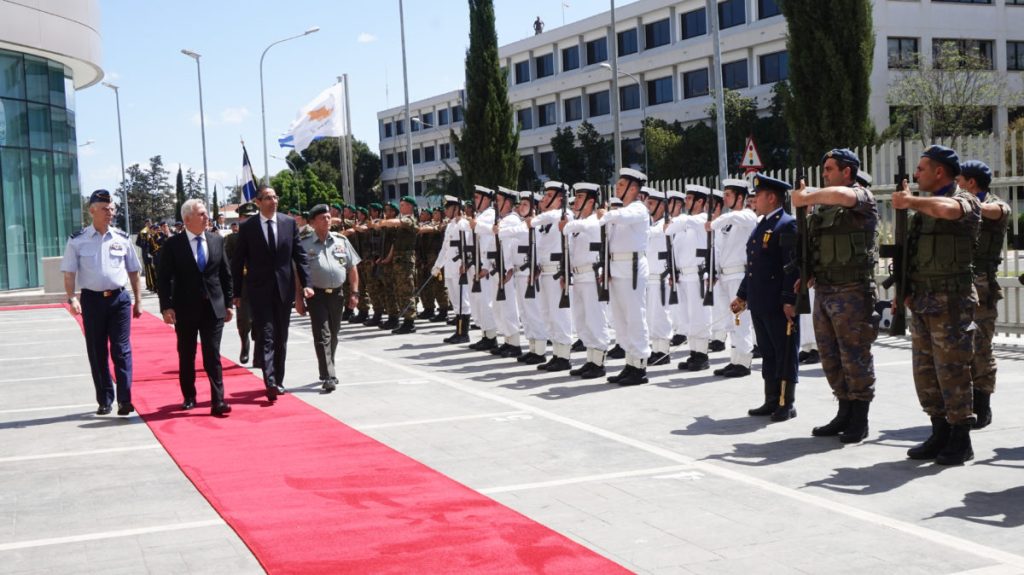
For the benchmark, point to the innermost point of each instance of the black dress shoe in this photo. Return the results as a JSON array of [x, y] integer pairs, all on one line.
[[330, 385], [636, 377], [533, 359], [578, 346], [510, 351], [281, 390], [220, 409], [592, 372], [658, 358], [617, 352], [697, 362], [103, 410], [125, 408], [579, 370], [272, 392], [784, 413], [188, 404], [716, 345], [456, 338], [243, 357], [677, 339], [809, 357]]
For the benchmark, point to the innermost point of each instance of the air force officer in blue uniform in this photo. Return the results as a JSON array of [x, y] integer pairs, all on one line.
[[767, 291], [101, 260]]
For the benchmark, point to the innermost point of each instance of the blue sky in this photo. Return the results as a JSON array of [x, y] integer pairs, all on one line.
[[142, 44]]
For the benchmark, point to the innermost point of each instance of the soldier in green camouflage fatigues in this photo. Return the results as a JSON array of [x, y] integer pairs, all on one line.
[[424, 232], [360, 240], [374, 272], [976, 177], [942, 300], [401, 273]]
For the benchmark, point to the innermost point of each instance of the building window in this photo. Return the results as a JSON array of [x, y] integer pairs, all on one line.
[[389, 160], [1015, 55], [547, 163], [627, 42], [456, 114], [414, 124], [660, 91], [522, 71], [629, 97], [597, 104], [966, 1], [734, 75], [444, 150], [391, 191], [1015, 2], [524, 118], [547, 114], [387, 129], [442, 117], [401, 159], [416, 156], [767, 9], [695, 83], [545, 65], [597, 51], [731, 13], [774, 67], [403, 189], [570, 58], [573, 108], [981, 49], [657, 34], [428, 120], [429, 155], [695, 23], [399, 127], [903, 53]]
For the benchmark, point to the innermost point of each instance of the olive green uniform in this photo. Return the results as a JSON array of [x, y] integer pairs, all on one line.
[[987, 257], [401, 274]]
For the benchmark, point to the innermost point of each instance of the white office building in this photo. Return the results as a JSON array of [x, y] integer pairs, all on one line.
[[561, 77]]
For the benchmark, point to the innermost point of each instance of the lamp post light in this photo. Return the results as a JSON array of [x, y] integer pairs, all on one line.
[[202, 119], [291, 166], [263, 105], [120, 142], [87, 143], [642, 92], [421, 122]]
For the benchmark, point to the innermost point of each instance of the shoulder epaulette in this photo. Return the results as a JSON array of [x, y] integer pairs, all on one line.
[[121, 233], [78, 233]]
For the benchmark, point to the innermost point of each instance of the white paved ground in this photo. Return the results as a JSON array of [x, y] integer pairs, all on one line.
[[670, 477]]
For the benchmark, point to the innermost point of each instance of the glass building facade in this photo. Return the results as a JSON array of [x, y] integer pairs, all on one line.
[[40, 203]]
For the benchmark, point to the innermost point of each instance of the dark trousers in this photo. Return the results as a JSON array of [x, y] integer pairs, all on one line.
[[108, 319], [270, 322], [208, 329], [325, 311], [776, 360]]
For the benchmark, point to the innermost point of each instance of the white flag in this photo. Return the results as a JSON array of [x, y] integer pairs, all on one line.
[[323, 117]]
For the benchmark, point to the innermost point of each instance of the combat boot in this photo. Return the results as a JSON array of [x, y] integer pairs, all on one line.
[[857, 428], [787, 411], [617, 352], [677, 340], [461, 334], [390, 324], [982, 409], [716, 345], [426, 314], [408, 326], [935, 443], [441, 315], [359, 317], [958, 449], [771, 401], [373, 320], [697, 361], [838, 423], [625, 371], [346, 315]]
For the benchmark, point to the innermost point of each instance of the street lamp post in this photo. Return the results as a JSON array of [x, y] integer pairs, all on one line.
[[120, 143], [408, 116], [263, 105], [202, 120], [643, 109]]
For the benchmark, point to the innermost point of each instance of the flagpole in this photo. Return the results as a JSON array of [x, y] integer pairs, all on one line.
[[408, 115], [348, 145], [723, 167], [343, 163], [613, 48]]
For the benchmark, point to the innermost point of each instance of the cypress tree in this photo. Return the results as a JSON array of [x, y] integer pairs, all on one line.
[[215, 208], [489, 141], [831, 46], [179, 194]]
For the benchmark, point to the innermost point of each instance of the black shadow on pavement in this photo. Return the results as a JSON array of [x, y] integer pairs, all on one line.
[[877, 478], [760, 454], [705, 425], [997, 509]]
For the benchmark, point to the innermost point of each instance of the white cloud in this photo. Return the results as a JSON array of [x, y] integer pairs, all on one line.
[[366, 38], [195, 119], [234, 115]]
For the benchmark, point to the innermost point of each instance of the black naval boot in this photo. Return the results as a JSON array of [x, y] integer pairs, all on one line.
[[982, 409], [617, 352], [373, 320], [838, 423], [555, 364], [243, 358], [408, 326], [787, 411], [441, 316], [578, 346], [857, 429], [531, 358], [636, 376], [594, 371], [617, 378], [461, 334], [577, 371], [809, 357], [485, 344], [696, 362], [510, 351], [716, 345], [935, 443], [771, 401], [659, 358], [958, 449], [677, 340]]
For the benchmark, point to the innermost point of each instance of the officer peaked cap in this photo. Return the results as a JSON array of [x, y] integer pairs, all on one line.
[[767, 183], [318, 210]]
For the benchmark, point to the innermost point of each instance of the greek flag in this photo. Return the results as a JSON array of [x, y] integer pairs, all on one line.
[[249, 187]]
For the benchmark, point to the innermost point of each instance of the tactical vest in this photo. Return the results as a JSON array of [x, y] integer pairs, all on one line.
[[404, 236], [991, 235], [941, 252], [842, 248]]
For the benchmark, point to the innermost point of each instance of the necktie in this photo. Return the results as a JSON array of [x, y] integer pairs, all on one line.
[[200, 254], [271, 237]]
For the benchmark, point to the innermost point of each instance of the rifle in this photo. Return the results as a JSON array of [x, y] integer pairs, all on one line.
[[565, 270], [601, 247], [898, 252], [709, 255], [670, 262], [499, 259], [476, 261], [376, 245], [464, 256], [530, 249], [803, 300]]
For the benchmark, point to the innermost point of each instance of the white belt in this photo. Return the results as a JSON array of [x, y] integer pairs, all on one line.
[[654, 278], [688, 271], [550, 268], [734, 270], [623, 257], [582, 269]]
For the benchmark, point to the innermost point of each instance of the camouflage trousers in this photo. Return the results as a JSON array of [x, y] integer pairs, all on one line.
[[844, 331], [435, 295], [376, 285], [983, 367], [364, 291], [943, 344], [402, 285]]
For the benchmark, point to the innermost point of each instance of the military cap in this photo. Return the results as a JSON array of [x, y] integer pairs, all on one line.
[[363, 210], [391, 205], [553, 185], [977, 171], [632, 174], [656, 195], [646, 191], [294, 212], [248, 209], [864, 178], [945, 156], [99, 197], [452, 201], [409, 200], [338, 207], [528, 196], [586, 188], [675, 195], [376, 206], [696, 190], [767, 183], [318, 210], [484, 191], [179, 223], [154, 227], [737, 185], [615, 201], [845, 155], [510, 194]]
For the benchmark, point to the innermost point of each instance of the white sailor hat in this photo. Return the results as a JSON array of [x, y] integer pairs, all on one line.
[[656, 195], [587, 188], [526, 196], [698, 190], [736, 185], [718, 194], [553, 185], [675, 195], [511, 194], [478, 189], [452, 200], [615, 201], [646, 190], [633, 175]]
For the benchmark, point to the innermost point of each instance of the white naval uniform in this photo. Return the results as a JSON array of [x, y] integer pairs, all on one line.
[[510, 229], [732, 231], [589, 315], [658, 321], [449, 259], [689, 236], [627, 235], [549, 252], [483, 302], [531, 313]]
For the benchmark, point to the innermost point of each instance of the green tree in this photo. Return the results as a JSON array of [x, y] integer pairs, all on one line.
[[215, 207], [664, 143], [740, 122], [699, 151], [150, 194], [528, 179], [488, 143], [323, 157], [447, 183], [179, 193], [830, 46], [288, 186], [569, 164], [193, 185], [597, 155]]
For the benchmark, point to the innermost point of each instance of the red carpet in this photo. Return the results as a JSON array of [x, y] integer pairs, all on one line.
[[309, 494]]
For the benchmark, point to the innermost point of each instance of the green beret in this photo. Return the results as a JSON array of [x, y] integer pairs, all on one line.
[[305, 215], [376, 206], [294, 212], [336, 206], [409, 200], [363, 210], [391, 205]]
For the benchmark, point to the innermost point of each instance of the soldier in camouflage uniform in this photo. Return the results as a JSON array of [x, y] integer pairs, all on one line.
[[942, 299], [401, 275], [341, 225], [374, 276], [360, 238], [243, 316], [842, 233], [424, 233], [975, 177]]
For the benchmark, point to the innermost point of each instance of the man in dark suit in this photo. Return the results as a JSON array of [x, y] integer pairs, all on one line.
[[767, 290], [195, 297], [268, 249]]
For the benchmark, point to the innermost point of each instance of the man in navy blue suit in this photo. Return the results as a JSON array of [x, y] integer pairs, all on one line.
[[767, 290]]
